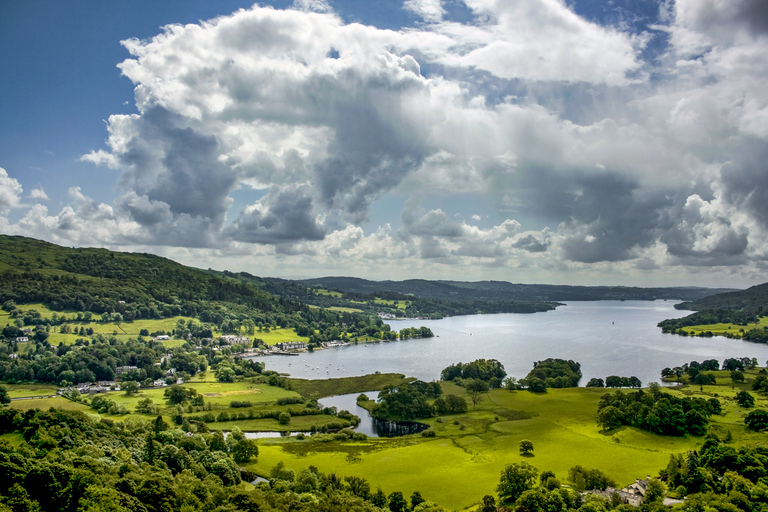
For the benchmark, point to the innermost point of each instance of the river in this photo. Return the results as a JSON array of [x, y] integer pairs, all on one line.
[[606, 337]]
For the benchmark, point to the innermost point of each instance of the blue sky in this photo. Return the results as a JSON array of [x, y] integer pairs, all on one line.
[[558, 141]]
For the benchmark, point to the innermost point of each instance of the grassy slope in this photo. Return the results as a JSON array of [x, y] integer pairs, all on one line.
[[128, 330], [724, 329], [561, 426], [463, 462]]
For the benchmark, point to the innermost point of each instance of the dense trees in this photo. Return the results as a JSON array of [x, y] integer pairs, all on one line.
[[757, 420], [657, 412], [515, 480], [744, 399], [406, 402], [489, 370], [71, 462], [552, 373]]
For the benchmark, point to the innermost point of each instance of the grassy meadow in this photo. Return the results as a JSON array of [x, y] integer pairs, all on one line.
[[463, 462], [464, 459], [127, 330], [725, 329]]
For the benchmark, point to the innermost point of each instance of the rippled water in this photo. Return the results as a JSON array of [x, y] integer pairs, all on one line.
[[606, 337]]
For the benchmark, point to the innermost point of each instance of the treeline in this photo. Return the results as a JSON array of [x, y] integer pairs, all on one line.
[[719, 477], [505, 291], [614, 381], [751, 301], [656, 412], [415, 305], [695, 370], [707, 317], [100, 358]]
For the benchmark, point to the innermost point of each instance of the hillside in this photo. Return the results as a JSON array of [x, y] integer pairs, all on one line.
[[505, 291], [731, 314], [752, 300], [116, 287]]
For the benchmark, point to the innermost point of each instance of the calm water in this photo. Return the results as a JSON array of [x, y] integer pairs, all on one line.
[[349, 402], [606, 337]]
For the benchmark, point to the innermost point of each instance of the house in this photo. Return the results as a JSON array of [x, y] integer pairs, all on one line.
[[291, 345], [633, 494], [230, 339], [122, 369], [162, 337], [159, 383], [20, 339]]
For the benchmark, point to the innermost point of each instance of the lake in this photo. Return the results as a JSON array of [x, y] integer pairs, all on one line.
[[606, 337]]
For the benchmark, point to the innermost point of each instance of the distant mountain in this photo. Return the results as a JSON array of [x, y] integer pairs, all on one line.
[[505, 291], [753, 300]]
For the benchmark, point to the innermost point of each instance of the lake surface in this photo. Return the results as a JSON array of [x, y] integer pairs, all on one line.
[[349, 402], [606, 337]]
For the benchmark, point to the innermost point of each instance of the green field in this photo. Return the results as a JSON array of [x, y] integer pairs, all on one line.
[[275, 336], [463, 462], [399, 304], [131, 329], [323, 291], [725, 329], [344, 310]]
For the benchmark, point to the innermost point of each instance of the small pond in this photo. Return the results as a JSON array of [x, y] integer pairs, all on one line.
[[368, 425]]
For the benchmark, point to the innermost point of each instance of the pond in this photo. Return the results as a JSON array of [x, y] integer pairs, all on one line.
[[369, 426], [606, 337]]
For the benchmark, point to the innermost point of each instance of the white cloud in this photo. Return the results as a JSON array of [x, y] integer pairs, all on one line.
[[39, 194], [10, 192], [429, 10], [539, 113], [539, 40]]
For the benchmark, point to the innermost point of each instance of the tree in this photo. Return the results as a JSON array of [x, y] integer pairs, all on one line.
[[416, 499], [744, 399], [610, 417], [243, 449], [178, 394], [4, 398], [379, 498], [737, 376], [225, 374], [634, 382], [526, 447], [654, 491], [146, 406], [515, 480], [130, 387], [358, 486], [489, 504], [757, 420], [476, 388], [595, 383], [702, 379]]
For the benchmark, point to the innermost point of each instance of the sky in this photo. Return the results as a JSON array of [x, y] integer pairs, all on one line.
[[594, 142]]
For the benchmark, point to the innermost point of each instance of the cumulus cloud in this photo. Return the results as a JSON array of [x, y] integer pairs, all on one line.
[[284, 216], [10, 192], [39, 194], [527, 114], [428, 10]]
